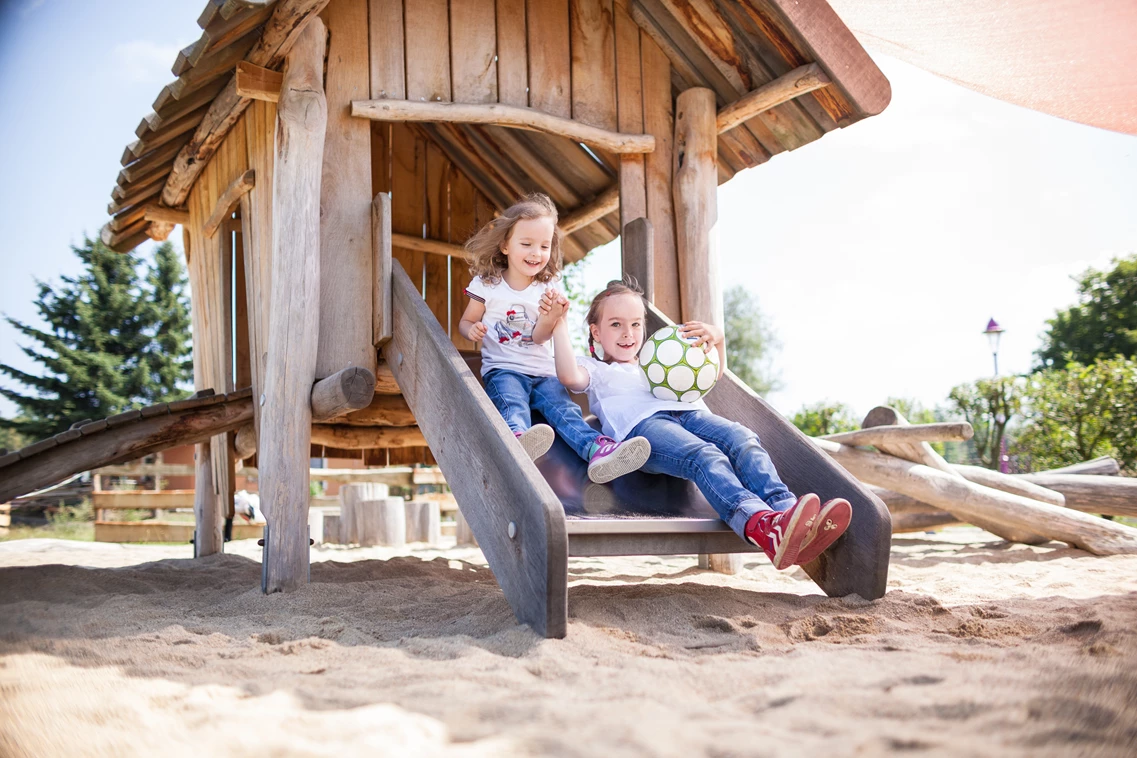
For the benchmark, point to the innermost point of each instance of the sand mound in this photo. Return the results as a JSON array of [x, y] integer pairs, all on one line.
[[978, 648]]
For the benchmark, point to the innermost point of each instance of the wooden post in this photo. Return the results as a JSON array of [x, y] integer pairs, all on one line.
[[637, 252], [286, 413], [381, 244], [424, 521], [207, 515], [370, 517], [694, 191], [696, 206], [347, 390]]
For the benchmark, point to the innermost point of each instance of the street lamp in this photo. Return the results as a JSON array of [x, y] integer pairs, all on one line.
[[994, 332]]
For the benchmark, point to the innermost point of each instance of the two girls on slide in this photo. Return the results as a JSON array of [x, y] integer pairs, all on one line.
[[517, 257]]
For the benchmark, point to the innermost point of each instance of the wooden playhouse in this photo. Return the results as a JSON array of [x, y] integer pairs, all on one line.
[[326, 160]]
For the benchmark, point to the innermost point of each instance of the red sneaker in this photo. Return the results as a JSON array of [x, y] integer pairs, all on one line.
[[831, 522], [781, 534]]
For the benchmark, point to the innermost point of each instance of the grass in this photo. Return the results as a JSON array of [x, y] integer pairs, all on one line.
[[71, 522]]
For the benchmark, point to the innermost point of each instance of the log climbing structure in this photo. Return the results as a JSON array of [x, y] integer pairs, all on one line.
[[326, 161]]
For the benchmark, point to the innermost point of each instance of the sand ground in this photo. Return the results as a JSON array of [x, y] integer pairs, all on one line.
[[979, 648]]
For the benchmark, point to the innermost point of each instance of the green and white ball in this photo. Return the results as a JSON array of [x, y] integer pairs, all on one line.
[[675, 368]]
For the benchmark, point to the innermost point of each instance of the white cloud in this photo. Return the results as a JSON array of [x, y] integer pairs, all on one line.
[[145, 61]]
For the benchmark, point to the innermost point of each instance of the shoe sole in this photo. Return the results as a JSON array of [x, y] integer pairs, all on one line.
[[631, 456], [537, 440], [791, 543], [832, 521]]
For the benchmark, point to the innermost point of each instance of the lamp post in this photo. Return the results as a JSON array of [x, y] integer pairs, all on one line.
[[994, 332]]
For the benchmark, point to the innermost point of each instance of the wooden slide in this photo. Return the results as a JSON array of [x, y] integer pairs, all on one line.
[[122, 438], [529, 518]]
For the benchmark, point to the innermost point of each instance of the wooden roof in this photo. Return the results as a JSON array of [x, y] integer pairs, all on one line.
[[729, 46]]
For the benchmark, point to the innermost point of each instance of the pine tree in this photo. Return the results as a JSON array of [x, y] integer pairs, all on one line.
[[111, 343], [169, 358]]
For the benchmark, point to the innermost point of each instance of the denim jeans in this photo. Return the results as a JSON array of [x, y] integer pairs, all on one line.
[[514, 394], [723, 458]]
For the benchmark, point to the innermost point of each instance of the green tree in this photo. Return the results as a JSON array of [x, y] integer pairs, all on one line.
[[990, 406], [823, 418], [1103, 323], [1081, 412], [111, 342], [750, 342]]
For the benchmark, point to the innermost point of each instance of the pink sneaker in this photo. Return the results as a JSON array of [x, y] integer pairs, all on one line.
[[831, 522], [613, 459], [782, 534], [536, 440]]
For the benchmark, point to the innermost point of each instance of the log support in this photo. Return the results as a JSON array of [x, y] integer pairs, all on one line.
[[637, 253], [207, 510], [694, 187], [344, 391], [295, 300]]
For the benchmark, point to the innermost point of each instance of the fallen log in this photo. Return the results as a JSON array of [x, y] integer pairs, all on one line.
[[971, 502], [1103, 466], [951, 431], [922, 452], [1008, 483], [911, 515], [1089, 493]]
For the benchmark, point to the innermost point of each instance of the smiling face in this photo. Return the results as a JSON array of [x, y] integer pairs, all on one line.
[[620, 327], [528, 249]]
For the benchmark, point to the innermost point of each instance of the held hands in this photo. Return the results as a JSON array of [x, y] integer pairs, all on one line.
[[553, 305], [706, 335], [477, 331]]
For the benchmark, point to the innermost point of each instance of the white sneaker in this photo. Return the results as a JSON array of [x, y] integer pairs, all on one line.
[[614, 459], [536, 440]]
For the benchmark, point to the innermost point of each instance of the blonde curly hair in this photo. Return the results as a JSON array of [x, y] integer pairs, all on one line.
[[488, 261]]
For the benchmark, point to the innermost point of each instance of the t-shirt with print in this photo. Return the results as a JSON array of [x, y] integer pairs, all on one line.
[[620, 396], [509, 318]]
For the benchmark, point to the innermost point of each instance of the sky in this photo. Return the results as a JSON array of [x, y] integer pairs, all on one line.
[[877, 253]]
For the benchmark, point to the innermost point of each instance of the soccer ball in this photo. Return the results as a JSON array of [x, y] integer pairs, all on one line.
[[675, 368]]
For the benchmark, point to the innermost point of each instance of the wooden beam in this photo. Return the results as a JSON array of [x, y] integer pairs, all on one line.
[[384, 410], [159, 230], [245, 442], [1104, 466], [1091, 493], [498, 114], [969, 502], [385, 383], [637, 243], [438, 247], [346, 437], [801, 80], [286, 411], [228, 201], [142, 499], [162, 531], [381, 242], [162, 214], [280, 33], [605, 203], [949, 430], [258, 83], [346, 390], [1008, 483]]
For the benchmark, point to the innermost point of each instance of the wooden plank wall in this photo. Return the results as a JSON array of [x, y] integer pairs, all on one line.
[[210, 261]]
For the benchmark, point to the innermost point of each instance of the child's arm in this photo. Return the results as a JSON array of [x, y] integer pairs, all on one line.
[[471, 326], [553, 307], [707, 335], [569, 371]]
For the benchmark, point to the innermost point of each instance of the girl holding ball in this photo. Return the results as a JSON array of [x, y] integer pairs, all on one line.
[[723, 458]]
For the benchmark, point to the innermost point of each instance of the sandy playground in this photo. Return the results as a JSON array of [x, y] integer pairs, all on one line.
[[979, 648]]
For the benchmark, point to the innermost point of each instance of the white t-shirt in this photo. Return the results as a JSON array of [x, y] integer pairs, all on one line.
[[620, 396], [509, 318]]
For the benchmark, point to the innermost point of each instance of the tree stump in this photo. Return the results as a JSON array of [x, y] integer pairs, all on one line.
[[424, 521], [369, 517]]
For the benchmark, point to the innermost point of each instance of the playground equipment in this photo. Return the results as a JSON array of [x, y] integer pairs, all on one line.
[[326, 160]]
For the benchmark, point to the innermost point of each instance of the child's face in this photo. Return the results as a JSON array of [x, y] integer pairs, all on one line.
[[620, 330], [528, 247]]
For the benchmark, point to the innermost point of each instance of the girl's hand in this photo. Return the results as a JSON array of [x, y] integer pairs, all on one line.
[[553, 304], [706, 335], [477, 331]]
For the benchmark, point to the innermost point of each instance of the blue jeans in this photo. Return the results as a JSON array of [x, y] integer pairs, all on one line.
[[514, 394], [723, 458]]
